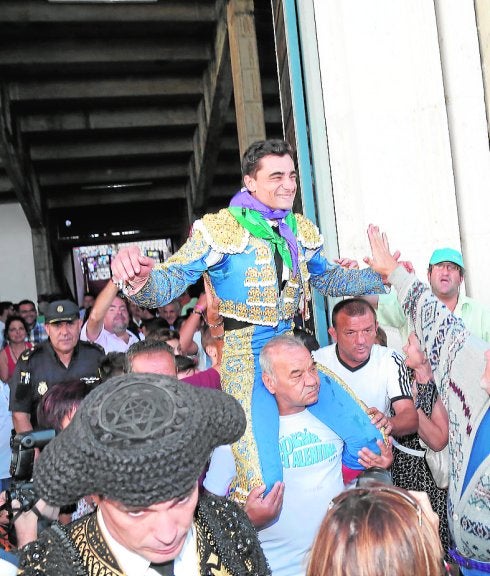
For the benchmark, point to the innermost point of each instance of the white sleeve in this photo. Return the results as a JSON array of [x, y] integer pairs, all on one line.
[[398, 385], [101, 339], [221, 471]]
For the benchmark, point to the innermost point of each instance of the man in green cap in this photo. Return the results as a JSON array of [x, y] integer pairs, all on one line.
[[445, 275]]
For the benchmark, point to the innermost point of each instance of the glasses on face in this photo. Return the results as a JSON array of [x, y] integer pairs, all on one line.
[[450, 266], [381, 488]]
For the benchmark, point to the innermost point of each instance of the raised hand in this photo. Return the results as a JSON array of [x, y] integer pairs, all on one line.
[[130, 267], [382, 260]]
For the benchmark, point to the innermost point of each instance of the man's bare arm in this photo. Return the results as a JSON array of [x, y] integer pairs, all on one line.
[[190, 326], [95, 322]]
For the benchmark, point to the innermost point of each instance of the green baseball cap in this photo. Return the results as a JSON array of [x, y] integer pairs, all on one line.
[[446, 255]]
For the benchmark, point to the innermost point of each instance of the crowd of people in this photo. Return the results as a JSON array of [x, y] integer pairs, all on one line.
[[201, 429]]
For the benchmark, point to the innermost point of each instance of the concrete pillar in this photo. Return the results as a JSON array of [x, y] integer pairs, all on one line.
[[468, 133], [16, 257], [46, 282], [386, 126], [482, 9], [246, 73]]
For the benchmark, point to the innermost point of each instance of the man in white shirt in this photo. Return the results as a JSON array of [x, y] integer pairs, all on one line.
[[377, 374], [108, 322], [311, 455], [138, 444]]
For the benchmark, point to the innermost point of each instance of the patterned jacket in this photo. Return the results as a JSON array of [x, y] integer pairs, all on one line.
[[227, 545], [457, 361], [243, 273]]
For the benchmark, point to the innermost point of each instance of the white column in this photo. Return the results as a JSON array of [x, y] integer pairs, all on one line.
[[465, 101], [392, 143]]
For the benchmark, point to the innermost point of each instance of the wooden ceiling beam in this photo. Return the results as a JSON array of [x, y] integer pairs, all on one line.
[[58, 51], [142, 172], [83, 175], [19, 169], [114, 119], [59, 198], [99, 89], [41, 11], [109, 148], [88, 198]]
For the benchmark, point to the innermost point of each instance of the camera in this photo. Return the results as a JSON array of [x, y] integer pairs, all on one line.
[[24, 447], [374, 475]]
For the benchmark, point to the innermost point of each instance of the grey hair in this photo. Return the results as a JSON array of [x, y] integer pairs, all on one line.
[[266, 357]]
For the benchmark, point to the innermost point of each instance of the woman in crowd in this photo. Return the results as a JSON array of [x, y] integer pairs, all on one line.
[[378, 530], [58, 406], [15, 335], [185, 366], [410, 470]]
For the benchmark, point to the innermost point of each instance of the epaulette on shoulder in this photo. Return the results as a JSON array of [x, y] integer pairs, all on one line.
[[29, 353], [223, 232], [308, 233]]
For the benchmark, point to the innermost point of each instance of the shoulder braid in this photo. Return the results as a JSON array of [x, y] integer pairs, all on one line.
[[223, 232], [308, 233]]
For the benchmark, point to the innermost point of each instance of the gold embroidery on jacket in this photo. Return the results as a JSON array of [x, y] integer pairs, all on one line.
[[237, 378], [222, 232]]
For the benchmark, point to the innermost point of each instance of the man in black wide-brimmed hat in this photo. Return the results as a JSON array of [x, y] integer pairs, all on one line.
[[138, 444]]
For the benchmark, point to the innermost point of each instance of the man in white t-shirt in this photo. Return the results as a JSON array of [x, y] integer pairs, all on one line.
[[311, 455], [108, 322], [377, 374]]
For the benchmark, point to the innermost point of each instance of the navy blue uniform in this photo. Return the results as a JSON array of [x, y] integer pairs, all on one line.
[[38, 369]]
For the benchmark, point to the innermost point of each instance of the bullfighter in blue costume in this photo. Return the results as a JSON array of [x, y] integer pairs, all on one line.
[[261, 259]]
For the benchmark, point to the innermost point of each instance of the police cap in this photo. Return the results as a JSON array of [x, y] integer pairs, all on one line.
[[61, 311]]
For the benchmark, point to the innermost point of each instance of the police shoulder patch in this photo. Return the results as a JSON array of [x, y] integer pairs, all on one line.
[[28, 353]]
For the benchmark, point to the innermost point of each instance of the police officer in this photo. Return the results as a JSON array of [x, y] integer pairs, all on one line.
[[63, 357]]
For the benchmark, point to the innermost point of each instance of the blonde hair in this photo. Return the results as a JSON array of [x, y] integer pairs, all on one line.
[[376, 531]]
